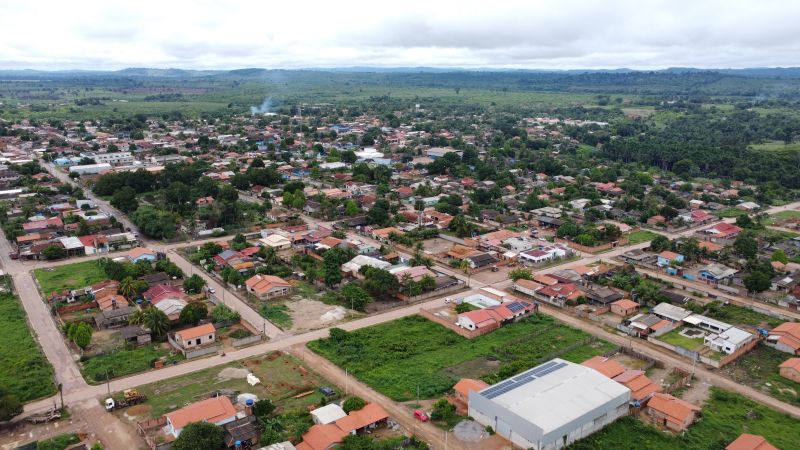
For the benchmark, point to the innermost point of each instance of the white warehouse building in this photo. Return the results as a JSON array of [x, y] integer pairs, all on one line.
[[550, 406]]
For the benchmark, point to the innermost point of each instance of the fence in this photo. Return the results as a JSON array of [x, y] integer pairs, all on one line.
[[683, 380], [456, 287], [144, 427], [193, 352], [246, 341], [727, 359], [675, 348]]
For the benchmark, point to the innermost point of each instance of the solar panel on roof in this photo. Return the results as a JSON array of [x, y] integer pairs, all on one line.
[[515, 307], [522, 379]]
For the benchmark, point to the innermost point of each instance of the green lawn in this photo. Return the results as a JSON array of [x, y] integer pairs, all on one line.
[[398, 357], [123, 362], [776, 146], [637, 237], [24, 370], [70, 276], [725, 416], [280, 375], [674, 338], [759, 370]]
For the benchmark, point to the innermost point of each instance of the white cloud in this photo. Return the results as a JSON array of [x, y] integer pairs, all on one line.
[[522, 34]]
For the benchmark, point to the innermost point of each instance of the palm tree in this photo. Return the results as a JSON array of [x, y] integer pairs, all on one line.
[[127, 287], [465, 266], [156, 321], [137, 318]]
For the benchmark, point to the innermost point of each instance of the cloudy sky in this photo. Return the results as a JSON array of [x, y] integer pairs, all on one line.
[[562, 34]]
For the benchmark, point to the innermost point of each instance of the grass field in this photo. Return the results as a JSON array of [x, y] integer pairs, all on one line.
[[123, 362], [776, 146], [281, 380], [728, 213], [674, 338], [782, 215], [637, 237], [278, 314], [24, 370], [70, 276], [725, 416], [759, 370], [399, 357]]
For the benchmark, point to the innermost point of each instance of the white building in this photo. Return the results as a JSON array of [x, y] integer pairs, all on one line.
[[90, 169], [114, 158], [550, 406], [354, 265], [328, 414], [729, 341]]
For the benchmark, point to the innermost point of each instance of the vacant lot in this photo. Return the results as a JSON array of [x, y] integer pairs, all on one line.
[[122, 362], [782, 215], [71, 276], [23, 368], [637, 237], [759, 370], [739, 315], [400, 357], [725, 416], [284, 380]]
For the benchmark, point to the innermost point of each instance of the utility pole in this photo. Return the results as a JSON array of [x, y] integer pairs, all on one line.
[[61, 392], [346, 383], [108, 383], [445, 439]]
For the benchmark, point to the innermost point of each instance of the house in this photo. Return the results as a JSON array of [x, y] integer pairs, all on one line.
[[527, 287], [382, 234], [670, 412], [666, 258], [329, 413], [551, 405], [111, 301], [327, 436], [368, 417], [750, 442], [602, 295], [354, 265], [641, 386], [790, 369], [196, 336], [558, 294], [624, 307], [114, 318], [480, 319], [669, 312], [655, 220], [643, 325], [267, 286], [729, 341], [276, 241], [607, 366], [415, 273], [467, 385], [136, 334], [322, 437], [716, 273], [722, 230], [141, 254], [480, 260], [217, 410], [785, 337]]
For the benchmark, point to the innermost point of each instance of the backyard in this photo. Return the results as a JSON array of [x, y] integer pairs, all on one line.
[[675, 338], [284, 380], [725, 416], [759, 370], [414, 354], [126, 361], [739, 315], [24, 370], [70, 276], [781, 216]]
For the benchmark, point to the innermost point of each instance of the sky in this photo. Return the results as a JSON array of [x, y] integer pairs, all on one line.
[[533, 34]]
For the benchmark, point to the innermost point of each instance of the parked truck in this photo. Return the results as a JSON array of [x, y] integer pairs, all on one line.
[[130, 397]]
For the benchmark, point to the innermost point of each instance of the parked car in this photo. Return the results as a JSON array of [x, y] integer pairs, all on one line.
[[326, 391], [421, 415]]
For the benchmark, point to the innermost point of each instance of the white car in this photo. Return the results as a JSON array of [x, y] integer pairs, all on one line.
[[448, 300], [212, 290], [110, 404]]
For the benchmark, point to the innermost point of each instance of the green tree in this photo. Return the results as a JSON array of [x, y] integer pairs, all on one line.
[[193, 313], [443, 410], [82, 335], [356, 297], [263, 408], [660, 243], [153, 319], [10, 405], [194, 284], [127, 287], [779, 256], [199, 435], [351, 208], [746, 246], [125, 200], [53, 252], [353, 404], [223, 313], [757, 281]]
